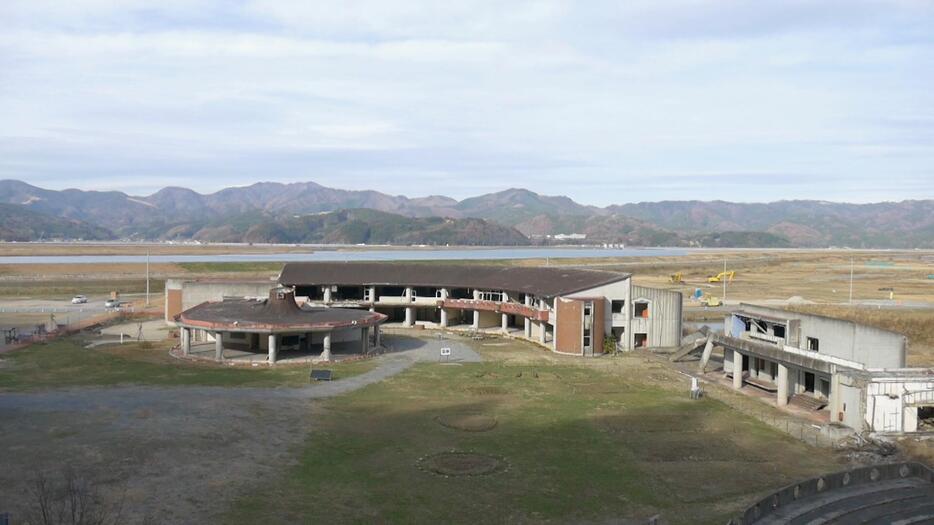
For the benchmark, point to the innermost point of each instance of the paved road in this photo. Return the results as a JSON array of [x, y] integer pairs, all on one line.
[[179, 454]]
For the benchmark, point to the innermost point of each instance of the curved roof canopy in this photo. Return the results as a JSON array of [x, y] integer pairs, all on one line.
[[548, 281], [278, 313]]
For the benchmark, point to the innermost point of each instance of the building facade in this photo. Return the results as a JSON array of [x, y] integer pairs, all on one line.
[[575, 312], [852, 372]]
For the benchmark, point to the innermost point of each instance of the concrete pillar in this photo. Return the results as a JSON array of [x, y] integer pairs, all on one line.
[[476, 319], [737, 370], [327, 294], [409, 294], [505, 323], [326, 352], [527, 323], [376, 336], [364, 340], [409, 316], [373, 294], [186, 341], [444, 313], [218, 346], [782, 393], [273, 348], [554, 336]]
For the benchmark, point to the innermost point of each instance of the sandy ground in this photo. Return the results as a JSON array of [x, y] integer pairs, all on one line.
[[173, 455]]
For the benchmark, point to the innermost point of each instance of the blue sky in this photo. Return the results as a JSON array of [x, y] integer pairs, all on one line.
[[606, 102]]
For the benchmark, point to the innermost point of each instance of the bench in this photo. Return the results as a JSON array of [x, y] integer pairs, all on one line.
[[320, 375]]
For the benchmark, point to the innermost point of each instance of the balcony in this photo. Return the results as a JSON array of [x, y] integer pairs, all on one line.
[[493, 306]]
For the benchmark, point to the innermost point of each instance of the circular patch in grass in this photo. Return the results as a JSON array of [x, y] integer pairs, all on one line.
[[467, 422], [456, 463]]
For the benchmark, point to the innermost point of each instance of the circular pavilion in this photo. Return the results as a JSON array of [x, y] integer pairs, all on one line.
[[277, 325]]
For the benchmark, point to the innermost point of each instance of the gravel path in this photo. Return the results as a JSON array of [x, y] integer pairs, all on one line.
[[175, 454]]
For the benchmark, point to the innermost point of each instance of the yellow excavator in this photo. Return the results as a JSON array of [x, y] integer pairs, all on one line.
[[722, 276], [676, 278]]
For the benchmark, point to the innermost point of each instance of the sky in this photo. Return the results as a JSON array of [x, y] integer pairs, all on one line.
[[603, 101]]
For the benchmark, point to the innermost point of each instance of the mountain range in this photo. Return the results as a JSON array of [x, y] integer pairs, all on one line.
[[307, 212]]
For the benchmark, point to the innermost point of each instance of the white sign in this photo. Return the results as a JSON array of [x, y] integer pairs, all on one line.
[[445, 352]]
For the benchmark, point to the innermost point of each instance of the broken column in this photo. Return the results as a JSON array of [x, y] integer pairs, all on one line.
[[326, 344]]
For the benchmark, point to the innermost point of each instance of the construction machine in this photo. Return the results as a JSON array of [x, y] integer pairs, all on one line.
[[676, 278], [722, 276], [711, 300]]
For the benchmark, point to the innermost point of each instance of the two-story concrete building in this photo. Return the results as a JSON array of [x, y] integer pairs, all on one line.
[[853, 372], [569, 311]]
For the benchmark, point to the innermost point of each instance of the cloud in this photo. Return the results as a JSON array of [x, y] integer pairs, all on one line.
[[602, 101]]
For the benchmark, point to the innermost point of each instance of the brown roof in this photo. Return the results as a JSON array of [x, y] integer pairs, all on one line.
[[541, 281], [279, 313]]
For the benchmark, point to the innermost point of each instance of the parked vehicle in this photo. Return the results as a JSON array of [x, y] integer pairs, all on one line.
[[79, 299]]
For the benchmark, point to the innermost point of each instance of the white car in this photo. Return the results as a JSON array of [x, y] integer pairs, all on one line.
[[112, 303], [79, 299]]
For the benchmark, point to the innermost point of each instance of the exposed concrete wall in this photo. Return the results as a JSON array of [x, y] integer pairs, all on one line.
[[194, 293], [873, 347], [618, 291], [663, 325]]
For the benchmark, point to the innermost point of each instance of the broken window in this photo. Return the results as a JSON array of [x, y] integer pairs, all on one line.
[[778, 331], [618, 306], [813, 344], [640, 340], [640, 309]]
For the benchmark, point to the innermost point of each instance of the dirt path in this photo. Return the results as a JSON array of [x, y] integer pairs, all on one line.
[[173, 454]]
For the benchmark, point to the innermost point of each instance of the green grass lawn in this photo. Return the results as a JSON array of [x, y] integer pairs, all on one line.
[[581, 445], [65, 363]]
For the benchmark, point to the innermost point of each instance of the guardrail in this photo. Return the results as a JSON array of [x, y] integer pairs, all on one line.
[[823, 484]]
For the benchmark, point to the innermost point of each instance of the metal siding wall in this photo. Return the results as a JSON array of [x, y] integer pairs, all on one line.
[[664, 323]]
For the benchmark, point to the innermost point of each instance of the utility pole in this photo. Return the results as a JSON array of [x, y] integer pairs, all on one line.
[[851, 281], [724, 280], [147, 277]]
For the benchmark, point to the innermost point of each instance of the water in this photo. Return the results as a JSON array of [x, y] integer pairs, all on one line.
[[412, 254]]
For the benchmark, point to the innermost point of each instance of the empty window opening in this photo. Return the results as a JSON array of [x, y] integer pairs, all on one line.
[[926, 418], [618, 306], [640, 340], [640, 309], [778, 331], [813, 344], [809, 382]]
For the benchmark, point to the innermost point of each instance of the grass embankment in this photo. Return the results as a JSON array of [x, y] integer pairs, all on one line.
[[64, 289], [917, 325], [66, 363], [581, 445], [231, 267]]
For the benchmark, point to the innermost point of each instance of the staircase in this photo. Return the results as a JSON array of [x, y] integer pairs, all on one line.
[[807, 402]]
